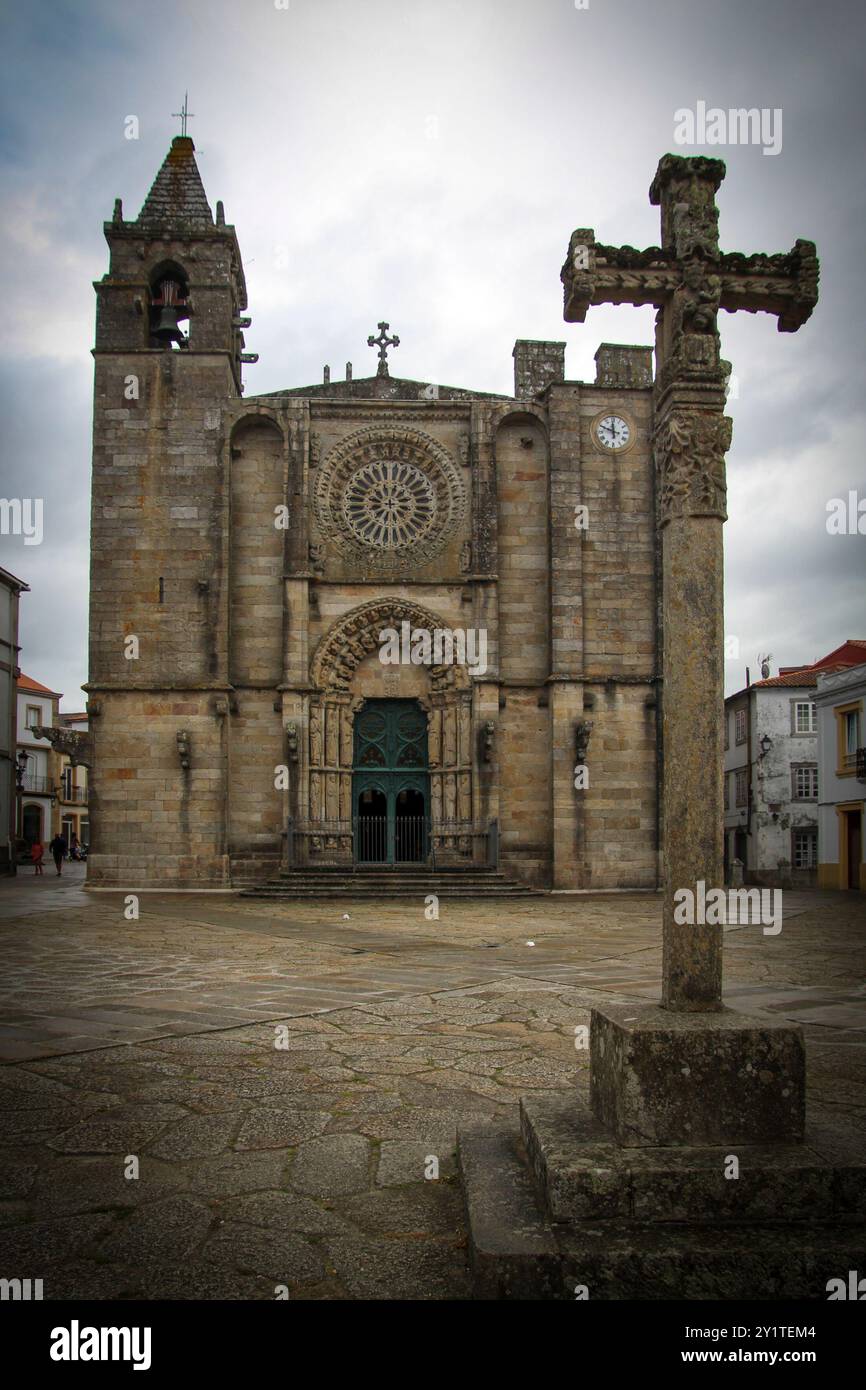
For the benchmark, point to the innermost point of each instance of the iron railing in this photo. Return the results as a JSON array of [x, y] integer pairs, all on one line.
[[401, 840], [861, 765], [36, 785]]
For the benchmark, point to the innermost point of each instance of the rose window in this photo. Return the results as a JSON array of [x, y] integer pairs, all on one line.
[[389, 504], [388, 498]]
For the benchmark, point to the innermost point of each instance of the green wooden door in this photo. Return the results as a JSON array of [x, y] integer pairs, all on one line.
[[391, 783]]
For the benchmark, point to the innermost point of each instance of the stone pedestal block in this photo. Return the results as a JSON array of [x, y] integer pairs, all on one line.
[[662, 1078]]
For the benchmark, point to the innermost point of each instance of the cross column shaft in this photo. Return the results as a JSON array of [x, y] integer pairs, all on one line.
[[688, 279]]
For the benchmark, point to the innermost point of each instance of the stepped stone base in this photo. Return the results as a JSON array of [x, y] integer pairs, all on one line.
[[560, 1206]]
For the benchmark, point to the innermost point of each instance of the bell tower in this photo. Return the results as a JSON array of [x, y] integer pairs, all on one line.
[[175, 277], [168, 360]]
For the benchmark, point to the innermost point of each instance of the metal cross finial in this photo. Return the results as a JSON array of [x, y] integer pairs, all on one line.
[[183, 114], [383, 342]]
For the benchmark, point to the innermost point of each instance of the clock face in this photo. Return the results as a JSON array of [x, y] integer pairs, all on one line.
[[613, 432]]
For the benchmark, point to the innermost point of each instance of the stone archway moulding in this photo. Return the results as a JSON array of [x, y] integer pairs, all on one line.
[[354, 636]]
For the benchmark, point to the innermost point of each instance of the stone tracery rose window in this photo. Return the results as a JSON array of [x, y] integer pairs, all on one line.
[[389, 504], [389, 498]]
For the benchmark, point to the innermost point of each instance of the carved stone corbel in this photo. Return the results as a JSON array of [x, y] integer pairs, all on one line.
[[292, 741], [184, 749], [582, 733], [488, 735]]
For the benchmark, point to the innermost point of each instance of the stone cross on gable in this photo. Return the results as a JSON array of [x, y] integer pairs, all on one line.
[[383, 342], [689, 279]]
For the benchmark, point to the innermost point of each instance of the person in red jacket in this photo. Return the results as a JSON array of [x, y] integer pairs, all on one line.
[[37, 852]]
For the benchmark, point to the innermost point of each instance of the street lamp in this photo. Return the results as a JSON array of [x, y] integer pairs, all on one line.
[[766, 745], [20, 773]]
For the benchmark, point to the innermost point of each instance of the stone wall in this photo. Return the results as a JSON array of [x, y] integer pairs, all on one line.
[[157, 823], [258, 487]]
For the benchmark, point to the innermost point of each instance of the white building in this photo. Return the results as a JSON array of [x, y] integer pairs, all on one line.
[[73, 794], [10, 591], [771, 781], [771, 772], [37, 797], [841, 702]]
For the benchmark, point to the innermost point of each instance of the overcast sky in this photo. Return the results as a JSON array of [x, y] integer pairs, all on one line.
[[425, 161]]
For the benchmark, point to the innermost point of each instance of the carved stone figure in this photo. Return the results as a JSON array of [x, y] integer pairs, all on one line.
[[315, 797], [465, 751], [346, 726], [315, 737], [331, 715], [436, 798], [449, 719], [434, 737], [700, 300]]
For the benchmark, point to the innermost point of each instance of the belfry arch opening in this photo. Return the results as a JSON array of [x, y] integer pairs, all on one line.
[[169, 306]]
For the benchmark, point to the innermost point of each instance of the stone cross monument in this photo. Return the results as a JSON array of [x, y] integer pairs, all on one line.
[[631, 1193], [689, 279]]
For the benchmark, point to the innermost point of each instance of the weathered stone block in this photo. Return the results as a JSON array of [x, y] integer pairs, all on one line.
[[659, 1077]]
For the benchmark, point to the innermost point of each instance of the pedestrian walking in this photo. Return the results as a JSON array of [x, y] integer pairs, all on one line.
[[37, 853], [58, 849]]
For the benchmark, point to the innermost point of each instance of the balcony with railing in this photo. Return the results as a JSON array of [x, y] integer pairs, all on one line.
[[77, 796], [37, 785], [860, 764]]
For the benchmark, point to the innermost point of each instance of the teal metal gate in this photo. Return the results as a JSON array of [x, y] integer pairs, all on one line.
[[391, 784]]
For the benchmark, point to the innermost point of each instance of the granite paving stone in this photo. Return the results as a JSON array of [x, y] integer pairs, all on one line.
[[304, 1165]]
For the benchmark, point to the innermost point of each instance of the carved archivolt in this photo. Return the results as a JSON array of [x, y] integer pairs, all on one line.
[[690, 450], [389, 498], [356, 635]]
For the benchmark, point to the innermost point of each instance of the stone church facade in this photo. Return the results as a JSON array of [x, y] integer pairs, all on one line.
[[249, 553]]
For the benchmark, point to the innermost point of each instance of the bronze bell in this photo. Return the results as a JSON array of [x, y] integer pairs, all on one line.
[[166, 327]]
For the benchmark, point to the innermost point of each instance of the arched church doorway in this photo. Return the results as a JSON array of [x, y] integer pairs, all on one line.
[[391, 783]]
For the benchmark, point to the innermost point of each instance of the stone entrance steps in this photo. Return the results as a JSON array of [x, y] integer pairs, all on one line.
[[557, 1208], [391, 883]]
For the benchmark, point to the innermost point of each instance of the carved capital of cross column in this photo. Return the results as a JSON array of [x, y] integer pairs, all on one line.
[[383, 343]]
